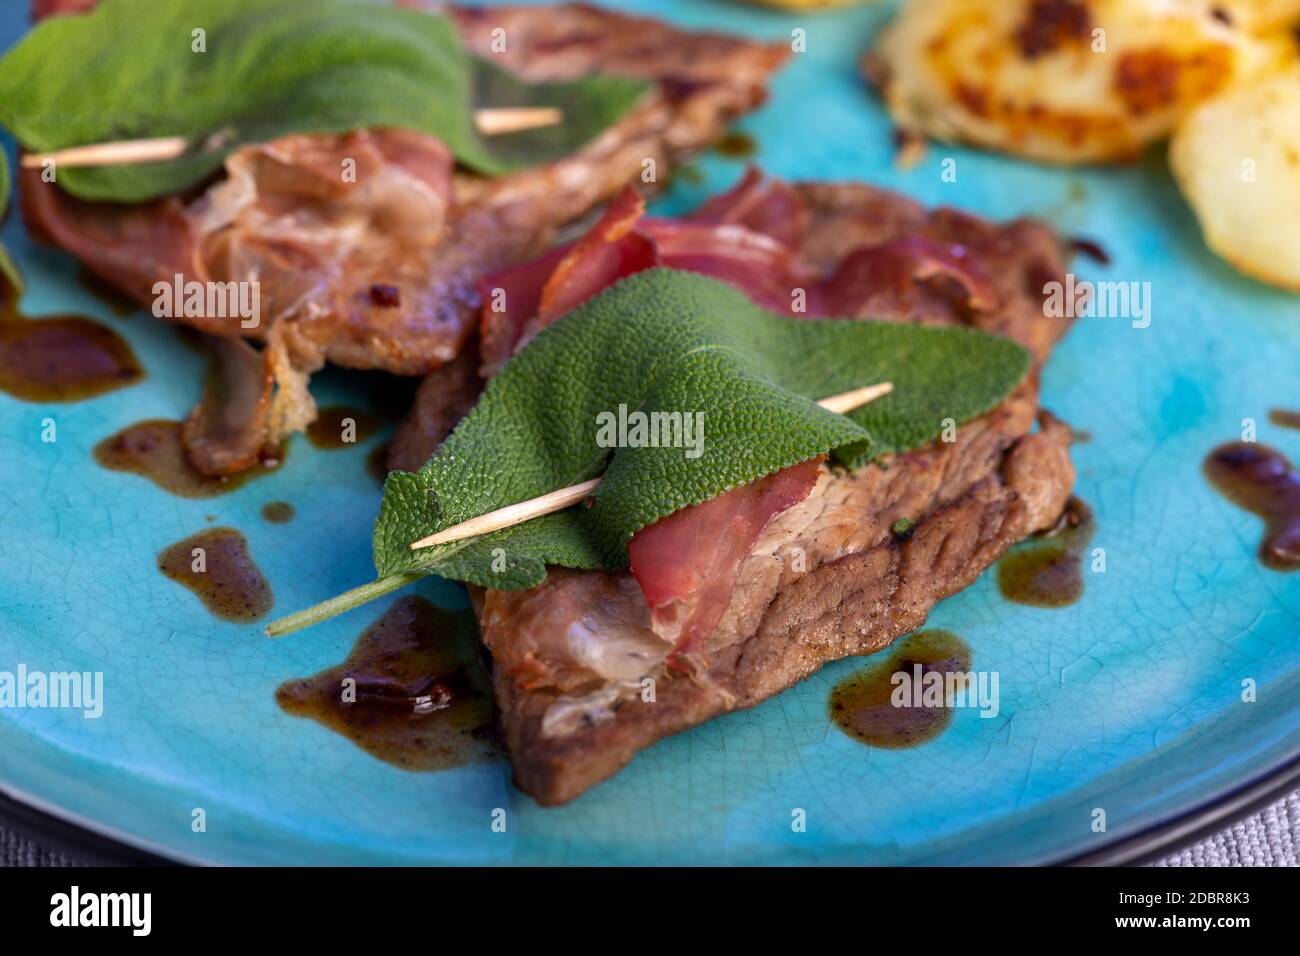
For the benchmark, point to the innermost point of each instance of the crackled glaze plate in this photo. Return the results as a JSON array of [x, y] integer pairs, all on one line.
[[1130, 700]]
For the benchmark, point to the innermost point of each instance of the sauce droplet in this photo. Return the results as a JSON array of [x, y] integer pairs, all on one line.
[[863, 704], [736, 146], [377, 463], [216, 566], [1090, 248], [688, 174], [1263, 481], [1284, 417], [1047, 571], [62, 358], [341, 427], [412, 692], [152, 449], [278, 512]]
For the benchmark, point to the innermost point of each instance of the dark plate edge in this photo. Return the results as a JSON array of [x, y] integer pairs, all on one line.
[[1194, 824], [1180, 831], [72, 839]]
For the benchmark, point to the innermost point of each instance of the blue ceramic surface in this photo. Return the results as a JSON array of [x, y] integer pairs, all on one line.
[[1129, 700]]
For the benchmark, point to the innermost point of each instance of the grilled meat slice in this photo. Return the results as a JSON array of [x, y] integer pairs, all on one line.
[[567, 728], [827, 578], [444, 397], [410, 227], [383, 273]]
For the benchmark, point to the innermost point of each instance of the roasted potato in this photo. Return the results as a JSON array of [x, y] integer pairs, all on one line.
[[811, 6], [1260, 16], [1065, 81], [1237, 159]]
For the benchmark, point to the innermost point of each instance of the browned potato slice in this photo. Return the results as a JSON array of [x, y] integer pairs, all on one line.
[[1064, 81], [810, 6], [1258, 15], [1237, 159]]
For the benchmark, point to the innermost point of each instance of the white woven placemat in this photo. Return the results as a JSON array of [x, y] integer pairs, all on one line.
[[1269, 838]]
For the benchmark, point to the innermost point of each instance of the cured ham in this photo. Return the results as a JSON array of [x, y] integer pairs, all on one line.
[[541, 291], [750, 237], [686, 563]]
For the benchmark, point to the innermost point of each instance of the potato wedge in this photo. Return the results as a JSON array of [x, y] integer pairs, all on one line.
[[1064, 81], [1237, 160], [811, 6], [1259, 15]]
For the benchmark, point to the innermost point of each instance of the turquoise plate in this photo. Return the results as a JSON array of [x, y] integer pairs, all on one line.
[[1129, 701]]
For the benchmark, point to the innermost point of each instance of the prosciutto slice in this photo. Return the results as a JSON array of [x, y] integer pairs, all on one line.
[[900, 276], [621, 243], [538, 293], [609, 252], [770, 207], [687, 562], [749, 237]]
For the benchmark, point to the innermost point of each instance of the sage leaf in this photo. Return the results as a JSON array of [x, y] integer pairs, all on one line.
[[226, 73], [664, 340]]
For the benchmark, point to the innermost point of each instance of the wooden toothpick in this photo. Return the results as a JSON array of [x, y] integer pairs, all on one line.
[[494, 122], [124, 153], [516, 119], [559, 500], [847, 401]]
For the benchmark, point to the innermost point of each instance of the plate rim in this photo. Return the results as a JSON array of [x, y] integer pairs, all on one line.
[[96, 845]]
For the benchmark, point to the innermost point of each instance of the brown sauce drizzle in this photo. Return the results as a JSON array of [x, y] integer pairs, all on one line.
[[152, 449], [387, 397], [61, 358], [862, 706], [327, 430], [1285, 418], [421, 699], [690, 174], [1092, 249], [228, 583], [1047, 571], [278, 512], [736, 146], [191, 338], [377, 462], [1263, 481]]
